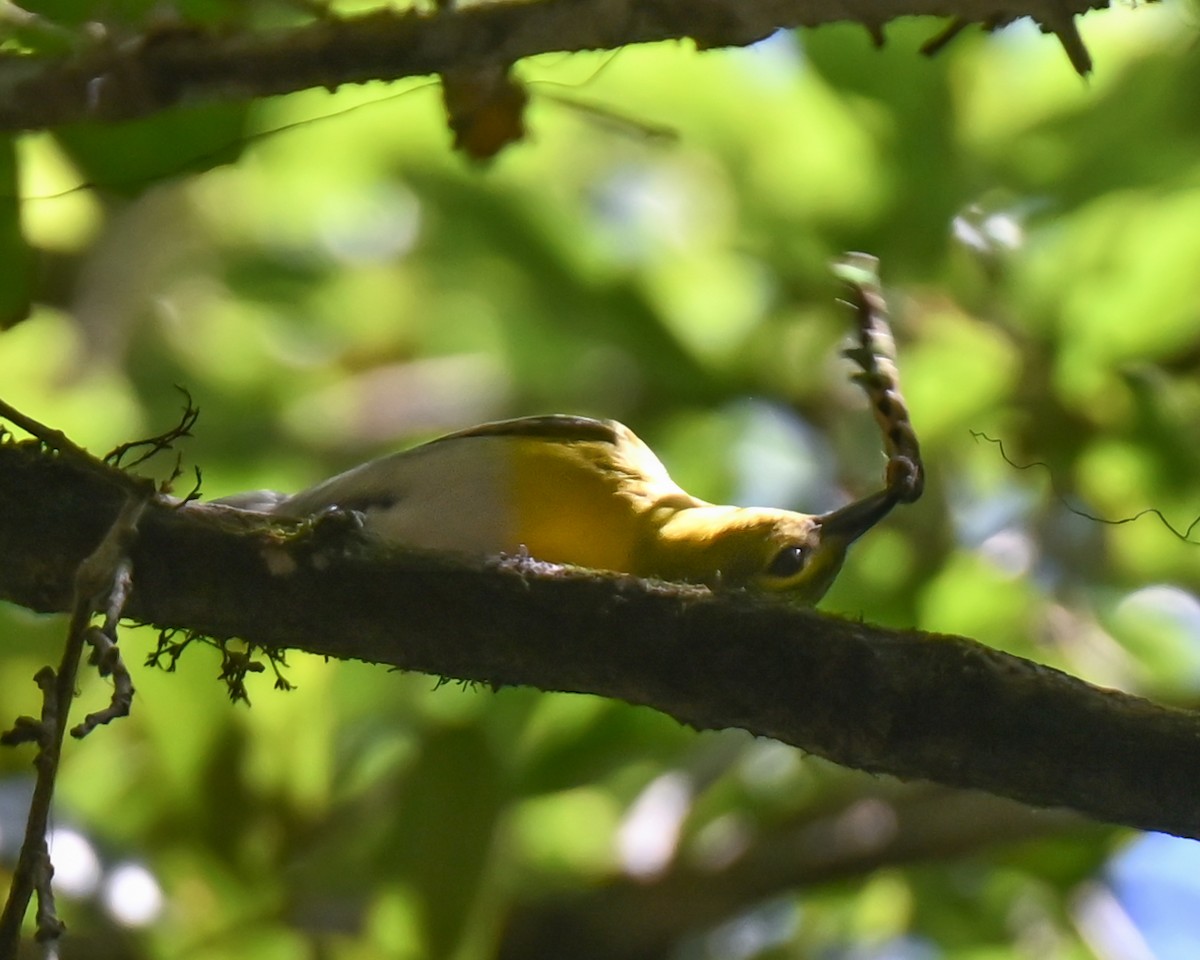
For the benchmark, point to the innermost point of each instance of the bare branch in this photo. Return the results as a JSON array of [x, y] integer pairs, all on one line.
[[106, 658], [152, 446]]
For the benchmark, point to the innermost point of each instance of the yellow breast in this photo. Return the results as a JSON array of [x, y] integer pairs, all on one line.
[[568, 505]]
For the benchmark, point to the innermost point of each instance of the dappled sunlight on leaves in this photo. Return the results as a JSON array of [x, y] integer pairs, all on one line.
[[331, 282]]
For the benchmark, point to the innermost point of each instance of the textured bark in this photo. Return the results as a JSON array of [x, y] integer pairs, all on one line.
[[910, 704], [104, 80]]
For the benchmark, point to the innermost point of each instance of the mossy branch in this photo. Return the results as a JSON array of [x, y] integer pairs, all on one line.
[[909, 704]]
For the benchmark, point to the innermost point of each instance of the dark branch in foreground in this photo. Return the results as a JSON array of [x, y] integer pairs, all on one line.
[[105, 80], [910, 704]]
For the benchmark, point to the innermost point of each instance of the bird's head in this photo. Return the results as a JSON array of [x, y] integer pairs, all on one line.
[[794, 555]]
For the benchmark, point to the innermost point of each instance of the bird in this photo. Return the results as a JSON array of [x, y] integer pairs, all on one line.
[[585, 492]]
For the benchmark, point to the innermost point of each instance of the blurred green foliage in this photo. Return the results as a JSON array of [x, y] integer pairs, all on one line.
[[330, 282]]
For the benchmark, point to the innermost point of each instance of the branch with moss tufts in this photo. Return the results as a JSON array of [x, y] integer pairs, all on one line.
[[900, 702]]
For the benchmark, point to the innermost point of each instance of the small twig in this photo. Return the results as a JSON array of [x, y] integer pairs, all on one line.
[[1055, 18], [169, 649], [31, 729], [101, 581], [1184, 535], [235, 666], [935, 44], [194, 493], [106, 656], [54, 439], [157, 444], [278, 661], [879, 377]]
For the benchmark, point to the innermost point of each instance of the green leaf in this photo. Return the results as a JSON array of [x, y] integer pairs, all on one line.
[[126, 158]]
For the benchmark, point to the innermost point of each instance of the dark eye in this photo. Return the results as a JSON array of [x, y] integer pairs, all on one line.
[[788, 562]]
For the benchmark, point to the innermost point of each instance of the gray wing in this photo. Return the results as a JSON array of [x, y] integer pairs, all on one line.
[[554, 426], [440, 496], [437, 492], [380, 484], [376, 485]]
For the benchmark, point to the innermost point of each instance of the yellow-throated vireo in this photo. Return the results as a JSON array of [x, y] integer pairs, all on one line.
[[590, 493]]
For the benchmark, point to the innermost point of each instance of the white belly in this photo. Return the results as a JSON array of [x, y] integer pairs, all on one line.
[[444, 496]]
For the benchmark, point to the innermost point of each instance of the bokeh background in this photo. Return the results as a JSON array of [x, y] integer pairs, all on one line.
[[331, 281]]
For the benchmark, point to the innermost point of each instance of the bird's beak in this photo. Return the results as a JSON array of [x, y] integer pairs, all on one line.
[[853, 520]]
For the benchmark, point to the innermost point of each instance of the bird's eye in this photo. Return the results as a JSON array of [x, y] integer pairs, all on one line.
[[788, 562]]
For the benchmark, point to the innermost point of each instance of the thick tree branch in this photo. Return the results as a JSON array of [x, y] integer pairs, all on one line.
[[909, 704], [107, 80]]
